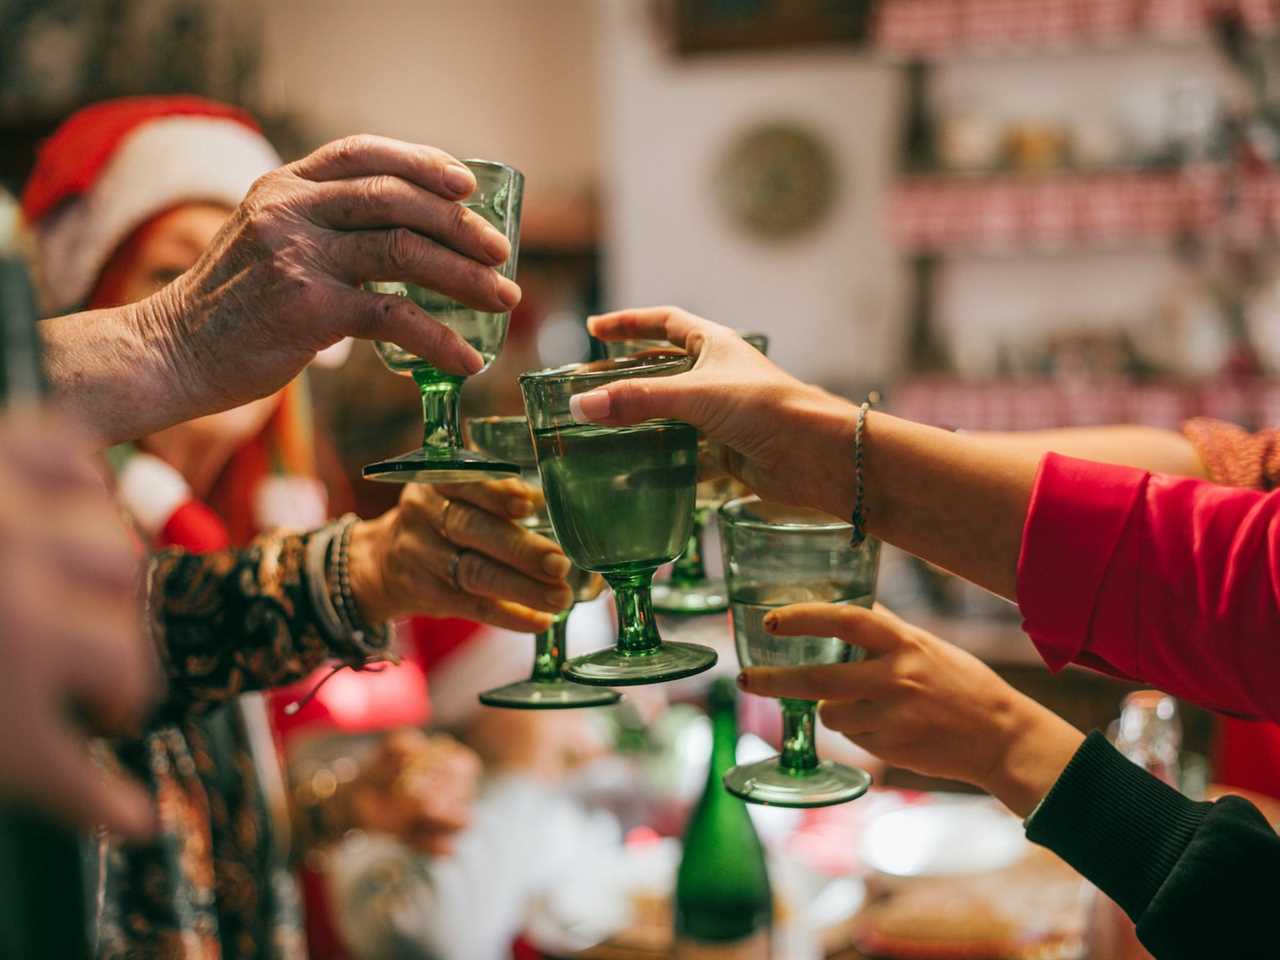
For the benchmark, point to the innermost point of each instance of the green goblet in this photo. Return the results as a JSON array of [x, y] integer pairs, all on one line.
[[442, 458], [775, 555], [689, 591], [621, 501], [507, 438]]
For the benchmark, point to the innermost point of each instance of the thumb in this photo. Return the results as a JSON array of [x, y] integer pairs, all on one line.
[[625, 402]]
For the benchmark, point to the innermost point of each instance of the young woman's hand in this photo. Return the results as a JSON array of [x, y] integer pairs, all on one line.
[[921, 703], [771, 431]]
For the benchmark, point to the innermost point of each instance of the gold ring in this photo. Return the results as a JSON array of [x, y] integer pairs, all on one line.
[[444, 519], [455, 561]]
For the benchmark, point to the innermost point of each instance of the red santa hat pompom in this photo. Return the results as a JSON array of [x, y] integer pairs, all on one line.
[[113, 165]]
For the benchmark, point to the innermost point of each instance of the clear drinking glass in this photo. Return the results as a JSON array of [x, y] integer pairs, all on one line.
[[621, 502], [442, 458], [508, 438], [775, 555], [689, 591]]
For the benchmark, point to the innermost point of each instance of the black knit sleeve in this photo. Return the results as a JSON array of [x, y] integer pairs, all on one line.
[[1198, 879]]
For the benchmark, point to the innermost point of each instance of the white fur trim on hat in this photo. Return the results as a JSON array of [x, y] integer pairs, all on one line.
[[151, 491], [162, 163]]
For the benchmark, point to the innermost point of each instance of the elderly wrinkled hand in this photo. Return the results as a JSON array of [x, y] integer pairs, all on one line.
[[74, 659], [282, 281], [772, 432], [921, 703], [457, 550]]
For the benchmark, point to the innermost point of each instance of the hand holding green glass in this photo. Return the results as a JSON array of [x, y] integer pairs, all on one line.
[[508, 439], [442, 458], [621, 502], [776, 555]]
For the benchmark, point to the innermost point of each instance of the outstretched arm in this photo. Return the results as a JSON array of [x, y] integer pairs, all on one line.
[[1170, 580]]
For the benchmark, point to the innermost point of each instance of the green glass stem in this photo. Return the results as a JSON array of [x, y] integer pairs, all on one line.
[[637, 629], [799, 748], [441, 409], [548, 654], [689, 568]]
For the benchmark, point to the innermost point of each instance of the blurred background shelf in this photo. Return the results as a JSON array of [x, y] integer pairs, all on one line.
[[1025, 28]]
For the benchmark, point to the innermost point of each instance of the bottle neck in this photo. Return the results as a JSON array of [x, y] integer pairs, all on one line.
[[724, 743]]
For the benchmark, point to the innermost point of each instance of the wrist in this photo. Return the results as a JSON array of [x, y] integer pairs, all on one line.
[[829, 423], [365, 559], [1035, 747]]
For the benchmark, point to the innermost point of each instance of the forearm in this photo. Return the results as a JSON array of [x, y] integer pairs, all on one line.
[[117, 371], [1148, 448], [956, 500]]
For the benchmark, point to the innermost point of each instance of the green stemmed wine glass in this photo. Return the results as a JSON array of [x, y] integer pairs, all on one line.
[[775, 555], [621, 501], [442, 458], [508, 438], [689, 591]]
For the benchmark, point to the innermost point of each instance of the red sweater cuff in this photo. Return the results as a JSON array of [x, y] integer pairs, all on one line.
[[1078, 513]]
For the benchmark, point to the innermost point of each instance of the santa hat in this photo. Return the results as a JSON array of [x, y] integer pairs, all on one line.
[[113, 165]]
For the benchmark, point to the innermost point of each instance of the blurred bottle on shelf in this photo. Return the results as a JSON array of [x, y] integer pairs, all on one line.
[[1149, 733], [919, 146], [926, 352], [723, 901]]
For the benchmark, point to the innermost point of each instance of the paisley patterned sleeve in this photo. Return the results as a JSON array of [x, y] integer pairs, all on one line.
[[245, 619]]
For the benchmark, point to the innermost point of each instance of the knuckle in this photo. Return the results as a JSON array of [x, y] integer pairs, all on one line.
[[352, 147], [459, 219], [377, 194], [401, 248], [475, 574]]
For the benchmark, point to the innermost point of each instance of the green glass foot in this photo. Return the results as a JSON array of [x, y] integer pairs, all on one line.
[[548, 695], [440, 465], [691, 600], [768, 783], [616, 668]]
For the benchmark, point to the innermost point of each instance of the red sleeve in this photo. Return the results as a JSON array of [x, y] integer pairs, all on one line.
[[1169, 580]]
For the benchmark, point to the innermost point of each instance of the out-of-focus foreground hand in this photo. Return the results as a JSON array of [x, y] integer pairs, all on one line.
[[543, 744], [456, 550], [74, 660], [418, 788], [775, 433], [921, 703], [281, 281]]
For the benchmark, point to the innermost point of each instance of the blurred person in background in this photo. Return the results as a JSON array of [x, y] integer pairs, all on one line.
[[126, 197]]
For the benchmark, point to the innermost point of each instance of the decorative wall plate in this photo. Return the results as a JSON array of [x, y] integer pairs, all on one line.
[[776, 180]]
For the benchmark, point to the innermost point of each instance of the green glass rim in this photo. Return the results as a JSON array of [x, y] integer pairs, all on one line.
[[494, 165], [734, 513], [606, 371]]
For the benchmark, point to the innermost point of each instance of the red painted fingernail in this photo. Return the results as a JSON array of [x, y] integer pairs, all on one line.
[[771, 622], [742, 680]]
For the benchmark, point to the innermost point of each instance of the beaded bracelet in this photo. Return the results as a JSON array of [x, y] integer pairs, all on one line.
[[369, 639], [860, 512]]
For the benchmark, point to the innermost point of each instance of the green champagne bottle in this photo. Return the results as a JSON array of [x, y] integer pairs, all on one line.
[[45, 904], [723, 905]]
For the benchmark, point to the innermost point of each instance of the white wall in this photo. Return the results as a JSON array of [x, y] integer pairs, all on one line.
[[826, 298], [506, 79]]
